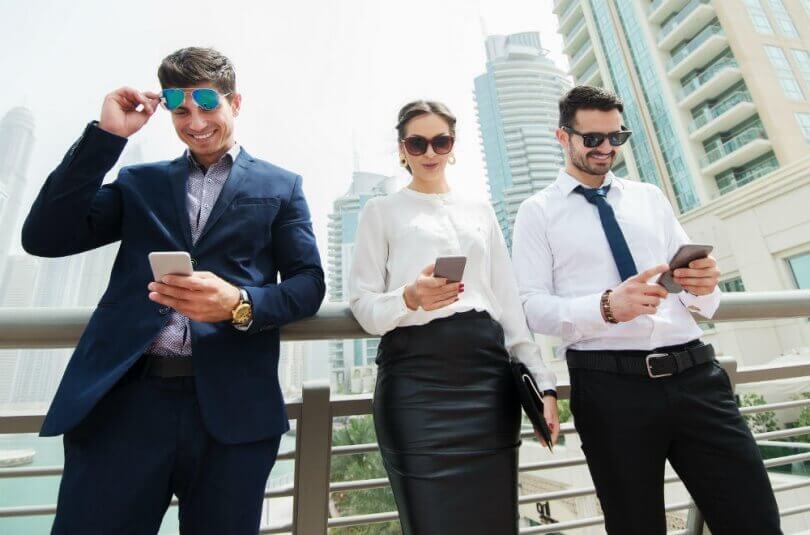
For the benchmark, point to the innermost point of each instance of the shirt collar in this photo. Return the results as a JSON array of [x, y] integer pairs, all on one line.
[[232, 154], [567, 184]]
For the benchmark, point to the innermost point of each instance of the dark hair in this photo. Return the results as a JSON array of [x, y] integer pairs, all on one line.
[[191, 66], [422, 107], [585, 97]]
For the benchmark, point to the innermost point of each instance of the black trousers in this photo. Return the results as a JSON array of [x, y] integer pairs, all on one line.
[[630, 425], [448, 420], [145, 441]]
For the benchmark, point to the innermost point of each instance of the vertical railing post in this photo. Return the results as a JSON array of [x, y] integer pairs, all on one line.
[[695, 522], [313, 456]]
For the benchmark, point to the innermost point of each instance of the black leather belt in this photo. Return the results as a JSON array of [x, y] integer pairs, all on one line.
[[160, 366], [662, 362]]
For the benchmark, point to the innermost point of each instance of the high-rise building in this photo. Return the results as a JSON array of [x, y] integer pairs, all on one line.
[[517, 115], [17, 291], [716, 93], [350, 359], [16, 146]]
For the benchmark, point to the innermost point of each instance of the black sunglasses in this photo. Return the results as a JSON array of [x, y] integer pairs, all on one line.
[[418, 145], [594, 139]]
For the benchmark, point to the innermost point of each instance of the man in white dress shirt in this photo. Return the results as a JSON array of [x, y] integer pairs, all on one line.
[[587, 251]]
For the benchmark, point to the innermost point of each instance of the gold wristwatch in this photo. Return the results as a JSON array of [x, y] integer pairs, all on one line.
[[243, 313]]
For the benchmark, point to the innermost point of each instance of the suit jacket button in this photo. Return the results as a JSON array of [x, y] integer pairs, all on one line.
[[163, 311]]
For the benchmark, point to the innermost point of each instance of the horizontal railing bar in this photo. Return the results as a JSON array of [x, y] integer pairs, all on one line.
[[27, 510], [360, 520], [42, 327], [758, 374], [774, 406], [545, 465], [287, 455], [790, 459], [782, 433], [354, 449], [283, 528], [358, 484], [795, 510], [562, 526], [30, 471]]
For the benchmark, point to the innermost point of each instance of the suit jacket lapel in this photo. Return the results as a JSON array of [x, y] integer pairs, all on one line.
[[229, 190], [178, 178]]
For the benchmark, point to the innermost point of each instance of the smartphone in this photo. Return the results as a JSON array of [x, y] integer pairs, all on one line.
[[450, 268], [683, 256], [170, 263]]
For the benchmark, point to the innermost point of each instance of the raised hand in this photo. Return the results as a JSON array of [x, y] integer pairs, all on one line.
[[637, 296], [126, 110], [431, 293]]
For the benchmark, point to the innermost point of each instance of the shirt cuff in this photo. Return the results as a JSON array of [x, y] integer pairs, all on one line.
[[544, 377], [585, 316], [705, 305]]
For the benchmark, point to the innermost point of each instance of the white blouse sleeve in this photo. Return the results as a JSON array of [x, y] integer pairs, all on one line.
[[518, 339], [377, 310]]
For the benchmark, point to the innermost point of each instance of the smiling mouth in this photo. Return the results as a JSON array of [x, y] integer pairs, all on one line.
[[600, 157], [201, 137]]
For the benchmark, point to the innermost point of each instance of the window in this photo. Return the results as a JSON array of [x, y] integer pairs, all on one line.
[[758, 17], [800, 269], [804, 124], [802, 58], [781, 65], [783, 20], [734, 284]]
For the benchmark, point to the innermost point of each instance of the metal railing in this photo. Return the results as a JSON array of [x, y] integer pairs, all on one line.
[[734, 144], [675, 21], [698, 81], [315, 411], [710, 113], [703, 36]]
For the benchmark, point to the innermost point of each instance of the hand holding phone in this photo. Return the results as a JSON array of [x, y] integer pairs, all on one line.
[[170, 263], [450, 268], [685, 255], [430, 292]]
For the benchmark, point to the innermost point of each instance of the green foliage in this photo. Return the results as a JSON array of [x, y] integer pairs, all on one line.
[[360, 430], [759, 422], [804, 419], [564, 407]]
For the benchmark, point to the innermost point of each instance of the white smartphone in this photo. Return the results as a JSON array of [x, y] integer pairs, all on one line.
[[170, 263]]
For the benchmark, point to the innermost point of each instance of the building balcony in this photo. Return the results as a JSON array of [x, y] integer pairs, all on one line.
[[561, 5], [661, 9], [574, 39], [735, 152], [695, 15], [590, 76], [740, 177], [710, 83], [570, 17], [723, 116], [582, 59], [706, 45], [307, 453]]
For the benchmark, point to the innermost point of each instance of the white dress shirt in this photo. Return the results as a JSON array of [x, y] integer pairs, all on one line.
[[563, 264], [398, 235]]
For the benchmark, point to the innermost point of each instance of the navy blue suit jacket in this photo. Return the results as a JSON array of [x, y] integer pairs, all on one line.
[[258, 228]]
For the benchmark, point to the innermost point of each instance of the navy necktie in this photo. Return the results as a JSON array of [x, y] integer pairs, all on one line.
[[613, 233]]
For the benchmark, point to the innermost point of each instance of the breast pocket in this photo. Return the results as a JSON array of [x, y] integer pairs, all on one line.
[[251, 221]]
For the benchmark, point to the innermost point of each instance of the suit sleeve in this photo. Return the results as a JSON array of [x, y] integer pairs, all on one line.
[[302, 286], [73, 212]]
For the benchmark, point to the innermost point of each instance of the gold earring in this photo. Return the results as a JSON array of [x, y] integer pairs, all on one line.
[[403, 162], [452, 159]]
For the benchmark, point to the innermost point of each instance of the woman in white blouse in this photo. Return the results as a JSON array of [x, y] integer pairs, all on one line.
[[445, 406]]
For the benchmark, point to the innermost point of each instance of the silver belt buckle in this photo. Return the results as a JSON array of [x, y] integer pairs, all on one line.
[[649, 366]]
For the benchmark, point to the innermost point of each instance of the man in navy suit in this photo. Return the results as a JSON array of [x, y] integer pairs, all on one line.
[[173, 387]]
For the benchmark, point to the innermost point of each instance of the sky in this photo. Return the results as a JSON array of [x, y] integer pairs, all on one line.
[[322, 80]]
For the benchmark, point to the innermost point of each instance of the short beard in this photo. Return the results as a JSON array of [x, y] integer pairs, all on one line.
[[580, 161]]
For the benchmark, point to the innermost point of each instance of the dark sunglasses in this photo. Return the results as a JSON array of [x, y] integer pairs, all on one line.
[[204, 97], [594, 139], [418, 145]]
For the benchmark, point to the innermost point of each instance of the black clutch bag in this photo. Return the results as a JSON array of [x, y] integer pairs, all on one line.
[[531, 399]]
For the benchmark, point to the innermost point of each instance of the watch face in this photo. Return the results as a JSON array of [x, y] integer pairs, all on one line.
[[242, 314]]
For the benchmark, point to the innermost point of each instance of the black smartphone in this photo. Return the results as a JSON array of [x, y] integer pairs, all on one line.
[[450, 268], [683, 256]]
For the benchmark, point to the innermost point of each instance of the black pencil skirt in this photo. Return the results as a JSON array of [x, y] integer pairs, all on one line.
[[448, 422]]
